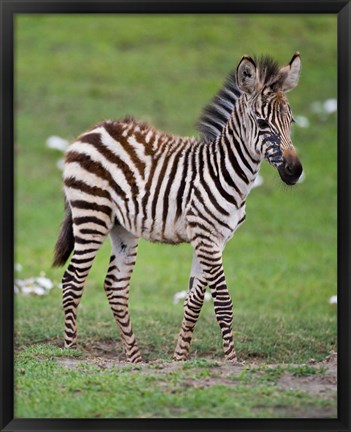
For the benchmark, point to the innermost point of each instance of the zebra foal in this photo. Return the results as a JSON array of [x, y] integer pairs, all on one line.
[[127, 180]]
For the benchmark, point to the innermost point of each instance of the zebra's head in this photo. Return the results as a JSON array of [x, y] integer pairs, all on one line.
[[264, 85]]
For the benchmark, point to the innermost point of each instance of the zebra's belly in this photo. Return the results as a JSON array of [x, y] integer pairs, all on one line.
[[153, 227], [164, 233]]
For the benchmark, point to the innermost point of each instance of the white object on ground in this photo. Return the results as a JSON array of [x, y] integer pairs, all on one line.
[[302, 177], [302, 121], [18, 267], [326, 108], [57, 143], [35, 285], [45, 282], [182, 295], [333, 299], [330, 106], [60, 164], [258, 181]]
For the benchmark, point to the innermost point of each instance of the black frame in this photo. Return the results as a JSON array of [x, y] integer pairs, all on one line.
[[8, 8]]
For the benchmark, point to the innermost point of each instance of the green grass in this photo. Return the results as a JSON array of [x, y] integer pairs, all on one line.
[[135, 391], [73, 71]]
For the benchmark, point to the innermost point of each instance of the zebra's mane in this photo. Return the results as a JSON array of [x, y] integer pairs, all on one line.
[[215, 115]]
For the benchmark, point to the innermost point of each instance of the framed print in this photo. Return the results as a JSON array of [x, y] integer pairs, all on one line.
[[165, 126]]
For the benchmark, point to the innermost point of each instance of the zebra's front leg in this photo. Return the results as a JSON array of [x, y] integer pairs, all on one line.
[[192, 307], [117, 282], [210, 260]]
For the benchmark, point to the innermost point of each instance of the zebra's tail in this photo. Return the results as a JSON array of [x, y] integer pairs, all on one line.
[[65, 241]]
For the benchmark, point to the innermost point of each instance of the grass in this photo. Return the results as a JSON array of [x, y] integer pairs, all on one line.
[[196, 389], [73, 71]]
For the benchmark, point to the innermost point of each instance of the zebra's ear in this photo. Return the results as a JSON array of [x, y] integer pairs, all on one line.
[[289, 75], [246, 74]]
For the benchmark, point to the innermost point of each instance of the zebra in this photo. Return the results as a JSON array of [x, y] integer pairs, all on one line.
[[125, 179]]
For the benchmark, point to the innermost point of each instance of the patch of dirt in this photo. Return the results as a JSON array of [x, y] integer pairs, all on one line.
[[309, 411], [318, 384], [323, 383]]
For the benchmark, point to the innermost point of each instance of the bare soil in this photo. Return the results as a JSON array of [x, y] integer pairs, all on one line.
[[105, 355], [318, 384]]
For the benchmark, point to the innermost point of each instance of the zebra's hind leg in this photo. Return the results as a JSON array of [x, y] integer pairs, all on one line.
[[192, 307], [89, 233], [124, 251]]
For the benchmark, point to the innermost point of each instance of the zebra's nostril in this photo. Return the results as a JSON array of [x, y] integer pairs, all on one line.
[[292, 168], [288, 169]]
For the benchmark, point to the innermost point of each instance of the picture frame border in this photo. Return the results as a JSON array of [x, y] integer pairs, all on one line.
[[8, 11]]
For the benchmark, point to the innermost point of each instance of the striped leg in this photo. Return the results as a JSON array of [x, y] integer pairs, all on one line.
[[124, 250], [192, 308], [89, 234], [210, 260]]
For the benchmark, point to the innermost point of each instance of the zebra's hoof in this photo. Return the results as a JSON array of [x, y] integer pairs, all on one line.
[[135, 359], [232, 359], [178, 357], [72, 345]]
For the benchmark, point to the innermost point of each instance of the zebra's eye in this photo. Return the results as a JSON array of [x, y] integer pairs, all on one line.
[[263, 123]]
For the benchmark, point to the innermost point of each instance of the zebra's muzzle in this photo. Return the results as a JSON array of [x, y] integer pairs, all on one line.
[[291, 169], [273, 153]]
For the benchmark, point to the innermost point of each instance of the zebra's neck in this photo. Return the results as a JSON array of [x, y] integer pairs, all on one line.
[[237, 163]]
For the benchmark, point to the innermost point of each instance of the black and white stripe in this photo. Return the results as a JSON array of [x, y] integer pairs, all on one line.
[[130, 181]]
